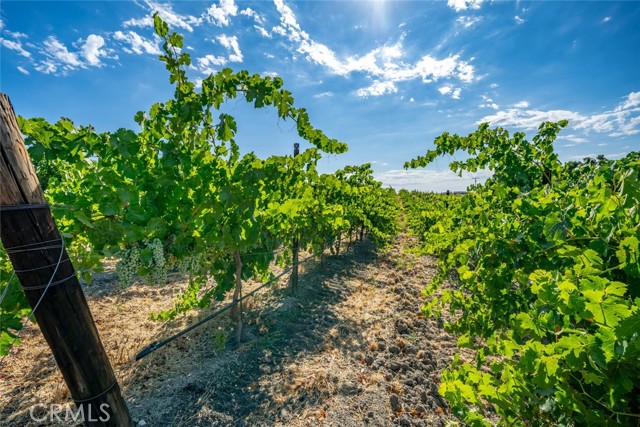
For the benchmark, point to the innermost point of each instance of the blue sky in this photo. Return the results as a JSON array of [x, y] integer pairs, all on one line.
[[386, 77]]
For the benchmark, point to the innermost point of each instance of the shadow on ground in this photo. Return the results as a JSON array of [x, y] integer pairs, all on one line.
[[223, 388]]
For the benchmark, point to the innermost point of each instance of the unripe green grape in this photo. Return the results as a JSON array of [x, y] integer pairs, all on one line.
[[190, 264], [128, 265]]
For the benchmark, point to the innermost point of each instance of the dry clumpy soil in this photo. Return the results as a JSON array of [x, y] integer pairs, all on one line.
[[350, 349]]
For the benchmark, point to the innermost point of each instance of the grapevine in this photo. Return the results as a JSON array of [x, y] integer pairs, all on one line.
[[544, 258], [178, 193]]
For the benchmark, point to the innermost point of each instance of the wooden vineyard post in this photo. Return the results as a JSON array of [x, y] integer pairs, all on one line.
[[296, 243], [236, 312], [49, 281]]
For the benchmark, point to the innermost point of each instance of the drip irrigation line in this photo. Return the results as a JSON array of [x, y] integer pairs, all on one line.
[[276, 251], [159, 344]]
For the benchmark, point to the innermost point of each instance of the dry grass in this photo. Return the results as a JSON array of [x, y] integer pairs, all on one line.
[[319, 385], [30, 376], [316, 376]]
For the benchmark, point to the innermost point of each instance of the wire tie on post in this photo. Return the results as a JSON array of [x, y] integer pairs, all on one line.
[[29, 270], [107, 390], [46, 288], [41, 248], [27, 247], [50, 284], [35, 243], [7, 208]]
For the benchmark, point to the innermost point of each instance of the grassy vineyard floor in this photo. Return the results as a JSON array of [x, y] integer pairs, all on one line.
[[351, 349]]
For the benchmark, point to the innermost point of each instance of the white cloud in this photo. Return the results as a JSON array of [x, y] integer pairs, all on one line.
[[446, 90], [494, 85], [519, 20], [47, 66], [428, 180], [573, 139], [633, 100], [206, 63], [488, 103], [15, 45], [323, 94], [377, 88], [614, 156], [253, 14], [628, 128], [623, 120], [606, 19], [384, 64], [58, 58], [92, 49], [23, 71], [231, 44], [166, 12], [138, 44], [375, 162], [459, 5], [468, 21], [146, 21], [521, 104], [528, 119], [263, 32], [221, 14], [212, 60], [582, 156], [279, 30], [16, 35], [611, 156]]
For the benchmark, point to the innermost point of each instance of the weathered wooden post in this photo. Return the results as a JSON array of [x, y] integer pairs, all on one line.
[[296, 242], [36, 250]]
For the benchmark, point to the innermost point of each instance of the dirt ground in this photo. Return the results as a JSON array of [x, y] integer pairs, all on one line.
[[350, 349]]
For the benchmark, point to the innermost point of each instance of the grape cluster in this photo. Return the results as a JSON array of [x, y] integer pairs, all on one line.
[[190, 264], [159, 262], [128, 265]]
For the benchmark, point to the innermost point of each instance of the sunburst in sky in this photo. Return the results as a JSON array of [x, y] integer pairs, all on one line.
[[386, 77]]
